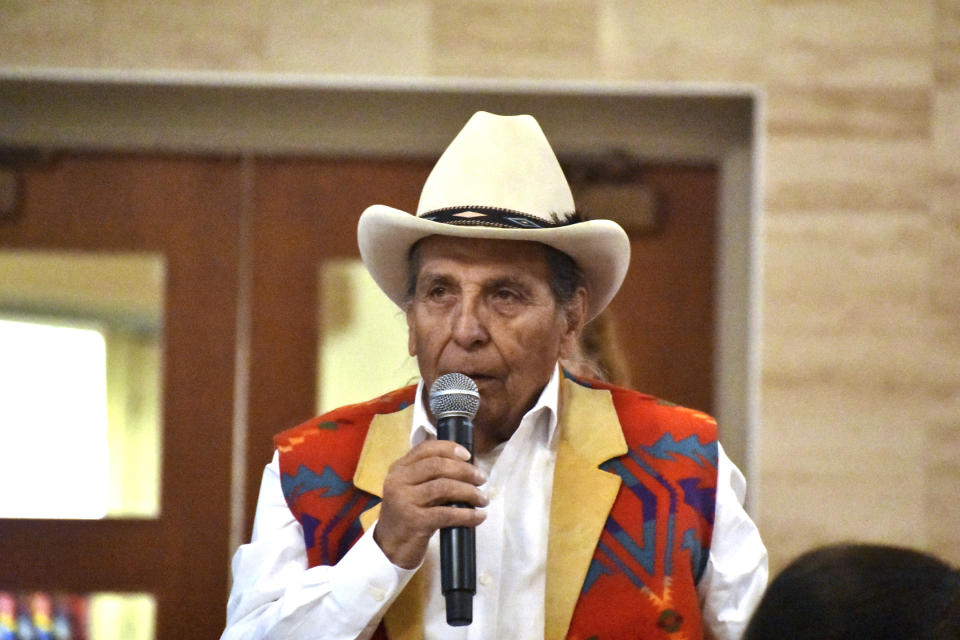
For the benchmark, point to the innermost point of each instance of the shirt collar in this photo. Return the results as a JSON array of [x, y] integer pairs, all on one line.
[[547, 403]]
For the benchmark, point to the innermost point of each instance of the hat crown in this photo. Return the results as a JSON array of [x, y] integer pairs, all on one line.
[[500, 162]]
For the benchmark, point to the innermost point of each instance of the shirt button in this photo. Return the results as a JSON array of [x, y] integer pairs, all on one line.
[[493, 492], [484, 579], [377, 594]]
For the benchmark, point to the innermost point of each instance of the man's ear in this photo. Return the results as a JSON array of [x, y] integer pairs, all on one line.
[[411, 333], [575, 317]]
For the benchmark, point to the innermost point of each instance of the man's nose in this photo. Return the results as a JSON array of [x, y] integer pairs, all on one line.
[[469, 325]]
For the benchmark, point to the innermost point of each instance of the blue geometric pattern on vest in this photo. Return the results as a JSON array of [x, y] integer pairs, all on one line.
[[689, 447], [306, 480]]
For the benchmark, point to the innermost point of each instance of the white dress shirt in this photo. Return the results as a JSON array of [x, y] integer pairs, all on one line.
[[276, 596]]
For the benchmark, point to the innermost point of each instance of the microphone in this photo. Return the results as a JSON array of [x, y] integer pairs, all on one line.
[[454, 400]]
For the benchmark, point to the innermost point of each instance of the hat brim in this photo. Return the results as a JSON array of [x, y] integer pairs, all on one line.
[[599, 247]]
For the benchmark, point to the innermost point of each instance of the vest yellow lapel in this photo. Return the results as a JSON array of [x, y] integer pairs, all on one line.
[[388, 439], [583, 495]]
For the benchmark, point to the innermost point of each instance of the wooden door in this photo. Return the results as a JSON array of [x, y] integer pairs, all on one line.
[[187, 210]]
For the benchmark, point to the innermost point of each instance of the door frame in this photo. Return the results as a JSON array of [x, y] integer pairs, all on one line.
[[263, 114]]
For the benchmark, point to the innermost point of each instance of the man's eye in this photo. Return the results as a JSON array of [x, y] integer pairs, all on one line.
[[505, 294], [436, 292]]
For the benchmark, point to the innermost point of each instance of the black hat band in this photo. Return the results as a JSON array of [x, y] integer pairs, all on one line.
[[492, 217]]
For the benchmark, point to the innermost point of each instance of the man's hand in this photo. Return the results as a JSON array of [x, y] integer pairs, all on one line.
[[416, 492]]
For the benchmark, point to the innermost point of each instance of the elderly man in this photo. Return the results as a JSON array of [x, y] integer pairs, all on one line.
[[600, 512]]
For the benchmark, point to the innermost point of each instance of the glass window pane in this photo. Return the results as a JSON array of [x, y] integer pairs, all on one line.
[[53, 421], [363, 338], [122, 616], [80, 384]]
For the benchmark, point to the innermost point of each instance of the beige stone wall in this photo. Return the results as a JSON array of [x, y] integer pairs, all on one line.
[[861, 331]]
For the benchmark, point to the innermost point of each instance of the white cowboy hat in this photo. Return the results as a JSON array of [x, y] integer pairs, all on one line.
[[498, 179]]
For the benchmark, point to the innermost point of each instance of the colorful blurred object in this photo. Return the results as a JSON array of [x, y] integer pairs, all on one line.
[[8, 616], [42, 616]]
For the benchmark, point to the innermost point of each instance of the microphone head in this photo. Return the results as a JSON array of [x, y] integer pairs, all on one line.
[[454, 394]]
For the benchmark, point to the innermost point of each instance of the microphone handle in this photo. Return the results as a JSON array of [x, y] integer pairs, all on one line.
[[458, 546]]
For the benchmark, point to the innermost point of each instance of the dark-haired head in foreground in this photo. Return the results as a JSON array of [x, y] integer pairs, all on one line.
[[860, 591]]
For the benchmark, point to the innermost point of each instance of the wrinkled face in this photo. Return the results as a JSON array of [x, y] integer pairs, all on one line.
[[484, 308]]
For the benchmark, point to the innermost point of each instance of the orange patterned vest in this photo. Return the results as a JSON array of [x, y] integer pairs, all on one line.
[[641, 582]]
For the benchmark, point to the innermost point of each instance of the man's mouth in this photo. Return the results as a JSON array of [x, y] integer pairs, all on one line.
[[482, 379], [477, 377]]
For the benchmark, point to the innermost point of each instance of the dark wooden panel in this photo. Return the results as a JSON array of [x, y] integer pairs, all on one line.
[[664, 313], [81, 555]]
